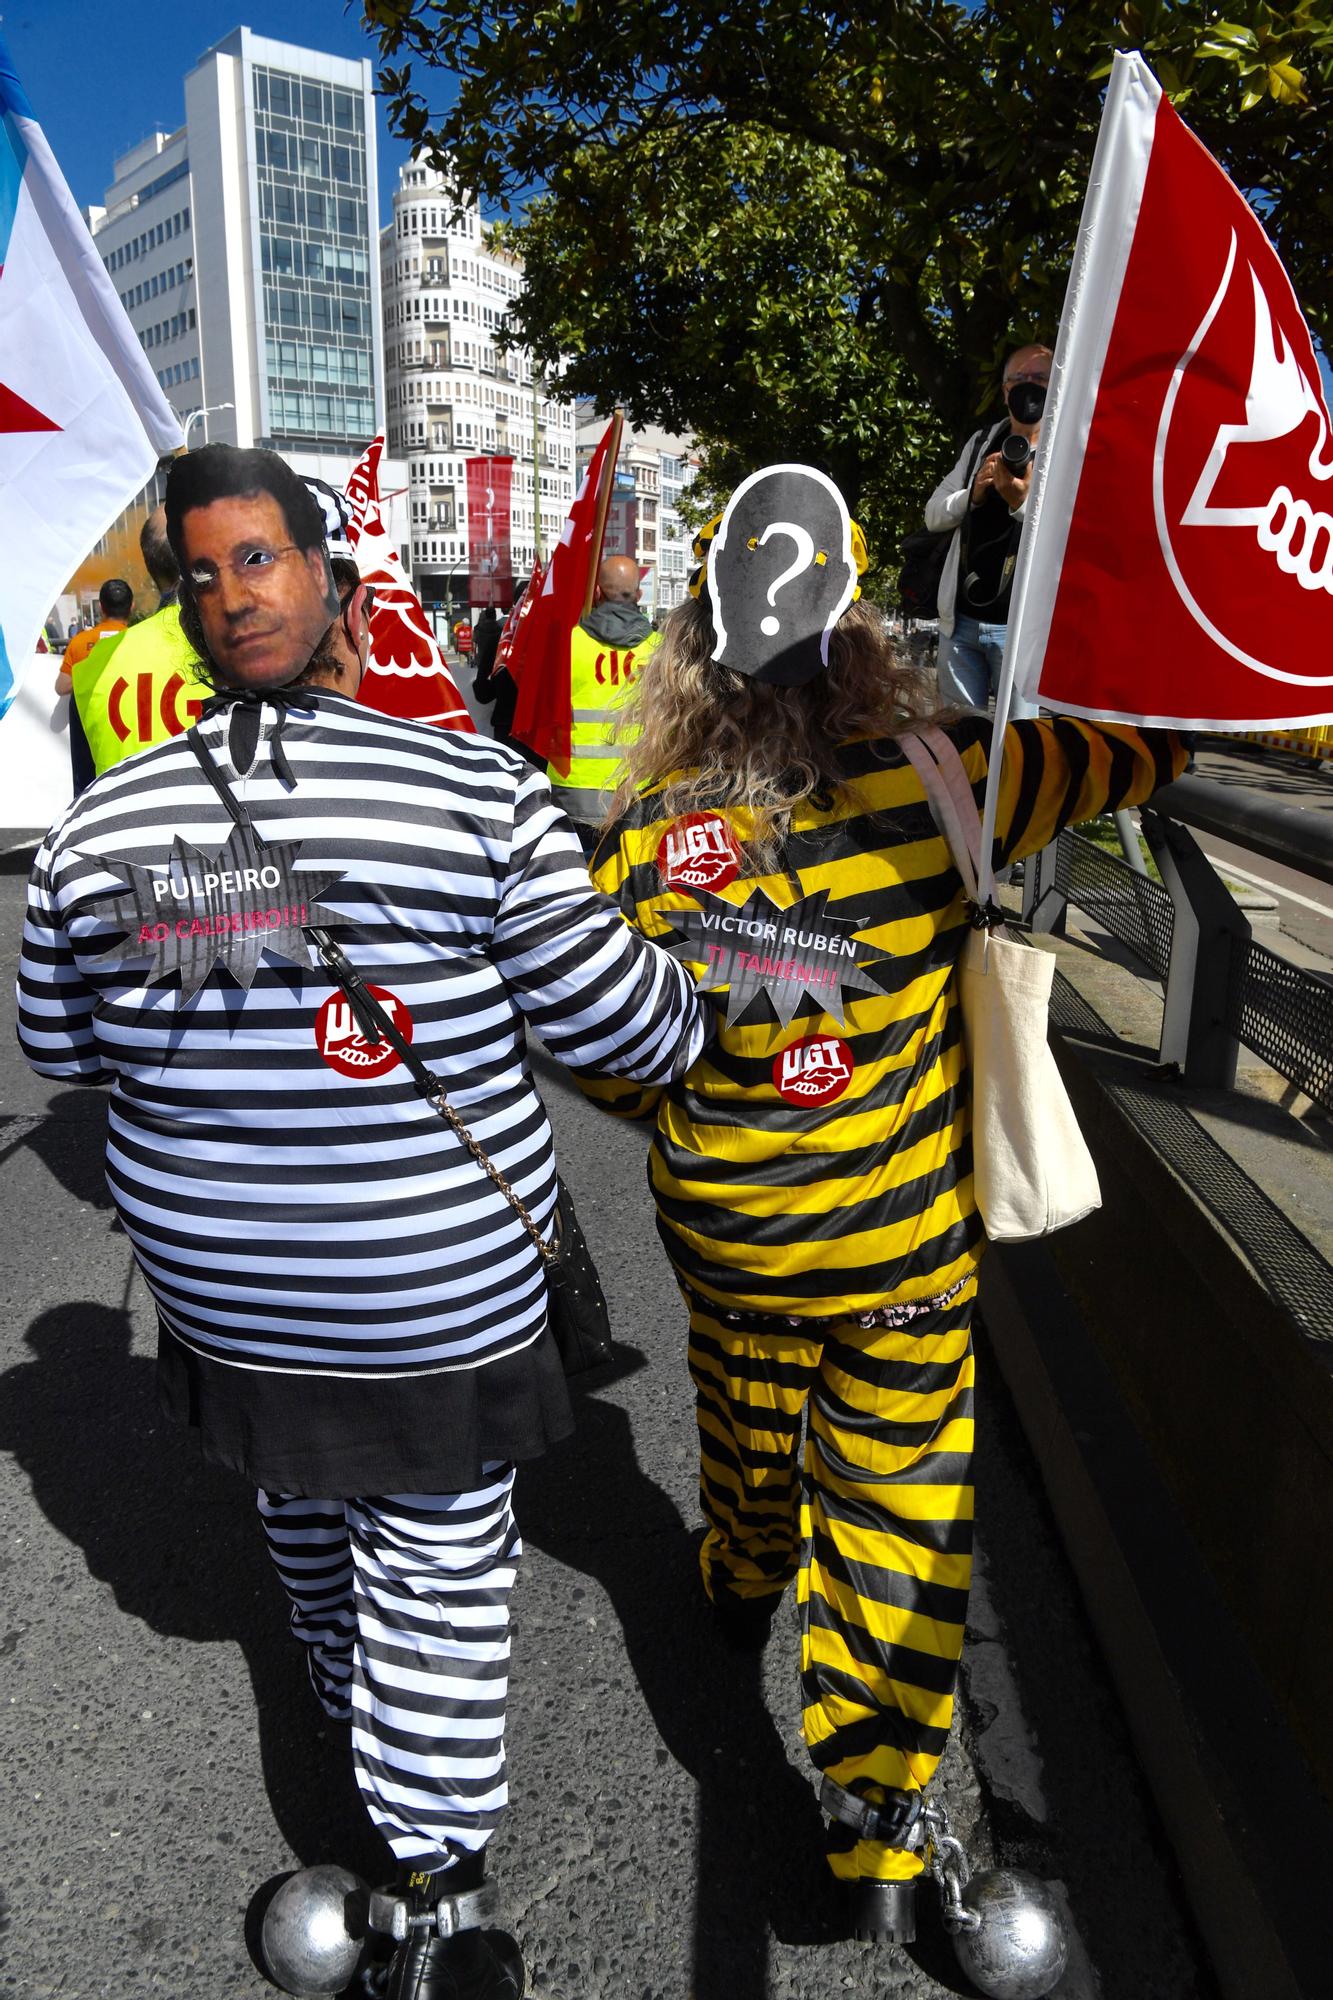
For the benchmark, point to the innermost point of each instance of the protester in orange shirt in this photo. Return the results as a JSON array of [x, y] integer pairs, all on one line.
[[116, 600]]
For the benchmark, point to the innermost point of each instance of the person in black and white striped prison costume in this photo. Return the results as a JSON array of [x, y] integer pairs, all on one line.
[[351, 1313]]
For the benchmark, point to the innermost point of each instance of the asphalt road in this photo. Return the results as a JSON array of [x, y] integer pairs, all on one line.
[[164, 1757]]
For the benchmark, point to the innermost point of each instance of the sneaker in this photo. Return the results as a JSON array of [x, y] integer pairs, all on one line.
[[473, 1965]]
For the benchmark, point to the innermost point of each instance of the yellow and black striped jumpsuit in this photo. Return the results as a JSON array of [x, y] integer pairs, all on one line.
[[810, 1174]]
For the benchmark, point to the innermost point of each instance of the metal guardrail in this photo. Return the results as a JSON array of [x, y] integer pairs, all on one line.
[[1222, 990], [1299, 836]]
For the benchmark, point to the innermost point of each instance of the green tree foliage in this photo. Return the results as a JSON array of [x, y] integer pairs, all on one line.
[[816, 231]]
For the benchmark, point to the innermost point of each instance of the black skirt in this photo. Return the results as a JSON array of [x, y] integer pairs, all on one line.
[[331, 1438]]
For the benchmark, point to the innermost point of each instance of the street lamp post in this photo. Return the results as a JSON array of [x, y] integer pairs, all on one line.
[[205, 412]]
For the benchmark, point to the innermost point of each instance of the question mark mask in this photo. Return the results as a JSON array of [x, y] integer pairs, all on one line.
[[780, 574]]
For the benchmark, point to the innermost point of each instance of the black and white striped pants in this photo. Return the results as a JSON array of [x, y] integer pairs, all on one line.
[[403, 1605]]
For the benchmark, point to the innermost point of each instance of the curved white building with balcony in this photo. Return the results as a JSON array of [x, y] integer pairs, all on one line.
[[450, 394]]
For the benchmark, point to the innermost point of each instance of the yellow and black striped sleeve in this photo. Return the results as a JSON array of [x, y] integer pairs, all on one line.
[[1060, 770]]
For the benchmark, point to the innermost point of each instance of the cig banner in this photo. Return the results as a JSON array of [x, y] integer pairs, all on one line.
[[489, 556]]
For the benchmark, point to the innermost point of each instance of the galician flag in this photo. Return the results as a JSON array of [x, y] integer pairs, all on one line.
[[1178, 554], [82, 419]]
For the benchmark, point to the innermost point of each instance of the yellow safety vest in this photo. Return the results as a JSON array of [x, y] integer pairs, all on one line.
[[137, 688], [600, 679]]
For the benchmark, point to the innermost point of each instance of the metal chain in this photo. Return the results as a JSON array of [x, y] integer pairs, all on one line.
[[948, 1864], [550, 1252]]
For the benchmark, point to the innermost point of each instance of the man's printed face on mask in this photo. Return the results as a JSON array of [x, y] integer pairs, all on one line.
[[263, 603]]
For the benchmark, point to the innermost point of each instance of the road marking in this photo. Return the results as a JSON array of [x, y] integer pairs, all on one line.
[[1274, 888]]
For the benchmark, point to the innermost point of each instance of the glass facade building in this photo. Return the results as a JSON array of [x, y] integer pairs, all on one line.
[[244, 246], [312, 181]]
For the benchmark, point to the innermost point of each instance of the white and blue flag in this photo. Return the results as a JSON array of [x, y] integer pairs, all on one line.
[[83, 421]]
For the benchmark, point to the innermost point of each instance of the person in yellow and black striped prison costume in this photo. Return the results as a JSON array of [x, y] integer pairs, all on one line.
[[812, 1171]]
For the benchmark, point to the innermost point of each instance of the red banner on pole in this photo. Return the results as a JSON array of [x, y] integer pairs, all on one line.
[[1178, 557], [489, 555]]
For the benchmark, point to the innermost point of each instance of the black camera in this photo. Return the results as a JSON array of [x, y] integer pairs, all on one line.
[[1017, 454]]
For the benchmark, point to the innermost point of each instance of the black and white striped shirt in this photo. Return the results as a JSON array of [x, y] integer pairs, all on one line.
[[290, 1216]]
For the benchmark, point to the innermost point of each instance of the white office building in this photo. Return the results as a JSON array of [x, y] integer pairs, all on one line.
[[451, 394], [243, 247]]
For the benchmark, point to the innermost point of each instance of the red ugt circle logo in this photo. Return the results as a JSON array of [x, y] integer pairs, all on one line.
[[699, 851], [815, 1071], [343, 1046]]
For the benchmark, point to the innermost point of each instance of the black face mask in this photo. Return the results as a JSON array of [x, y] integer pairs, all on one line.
[[1025, 401]]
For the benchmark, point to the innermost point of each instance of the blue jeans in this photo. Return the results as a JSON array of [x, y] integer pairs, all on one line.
[[969, 668]]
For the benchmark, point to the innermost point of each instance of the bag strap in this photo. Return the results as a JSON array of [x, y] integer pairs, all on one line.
[[376, 1026], [984, 436], [934, 757], [923, 755]]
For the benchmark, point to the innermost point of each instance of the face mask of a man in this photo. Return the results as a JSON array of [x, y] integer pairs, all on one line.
[[264, 604]]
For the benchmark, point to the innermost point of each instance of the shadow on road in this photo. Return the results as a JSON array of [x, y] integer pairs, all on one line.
[[1255, 767], [176, 1541], [179, 1544], [69, 1138], [758, 1861]]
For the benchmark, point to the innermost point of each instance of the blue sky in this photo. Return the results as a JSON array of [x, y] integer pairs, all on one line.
[[103, 73]]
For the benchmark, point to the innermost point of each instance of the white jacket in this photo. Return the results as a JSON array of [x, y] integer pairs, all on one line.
[[947, 508]]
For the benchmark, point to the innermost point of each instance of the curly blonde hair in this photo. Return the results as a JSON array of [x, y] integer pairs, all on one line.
[[717, 739]]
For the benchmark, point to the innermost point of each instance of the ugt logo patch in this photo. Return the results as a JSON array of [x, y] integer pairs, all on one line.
[[339, 1039], [815, 1071], [699, 851]]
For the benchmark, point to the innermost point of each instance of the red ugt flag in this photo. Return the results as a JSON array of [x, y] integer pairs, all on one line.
[[1178, 561], [539, 661]]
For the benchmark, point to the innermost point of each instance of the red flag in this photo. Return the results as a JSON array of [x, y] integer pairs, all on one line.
[[1178, 554], [488, 517], [540, 659], [407, 674]]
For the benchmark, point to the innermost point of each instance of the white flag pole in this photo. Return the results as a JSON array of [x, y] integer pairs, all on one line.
[[1106, 232]]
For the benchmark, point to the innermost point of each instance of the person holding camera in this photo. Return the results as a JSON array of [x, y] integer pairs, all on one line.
[[982, 502]]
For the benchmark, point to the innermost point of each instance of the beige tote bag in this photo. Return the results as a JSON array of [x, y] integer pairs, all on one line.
[[1032, 1171]]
